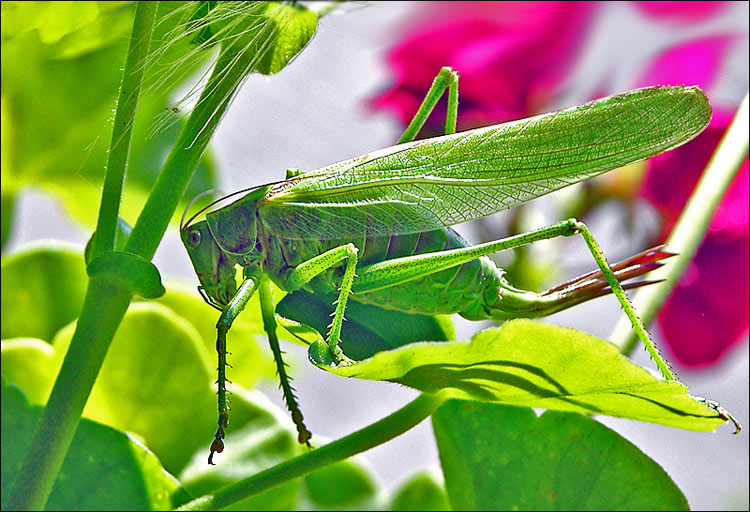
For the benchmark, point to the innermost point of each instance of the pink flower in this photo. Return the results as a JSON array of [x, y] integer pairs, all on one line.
[[681, 12], [696, 62], [511, 57], [707, 311]]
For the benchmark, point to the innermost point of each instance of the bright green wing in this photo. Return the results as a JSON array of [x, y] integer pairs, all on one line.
[[446, 180]]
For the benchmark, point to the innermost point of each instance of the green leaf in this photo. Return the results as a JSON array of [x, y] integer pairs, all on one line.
[[72, 29], [294, 27], [122, 232], [139, 274], [8, 190], [497, 457], [157, 382], [421, 492], [273, 31], [29, 363], [104, 469], [267, 439], [346, 485], [43, 290], [537, 365], [368, 329]]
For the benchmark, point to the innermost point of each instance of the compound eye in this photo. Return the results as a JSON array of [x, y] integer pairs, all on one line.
[[194, 239]]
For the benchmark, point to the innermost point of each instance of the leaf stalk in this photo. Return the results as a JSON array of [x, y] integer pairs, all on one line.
[[360, 441]]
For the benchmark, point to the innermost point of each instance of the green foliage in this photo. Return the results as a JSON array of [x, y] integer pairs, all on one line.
[[421, 492], [72, 57], [263, 441], [275, 31], [346, 485], [156, 383], [159, 369], [105, 469], [133, 271], [43, 290], [29, 364], [536, 365], [497, 457]]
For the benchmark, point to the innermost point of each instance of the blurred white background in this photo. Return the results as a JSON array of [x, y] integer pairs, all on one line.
[[315, 113]]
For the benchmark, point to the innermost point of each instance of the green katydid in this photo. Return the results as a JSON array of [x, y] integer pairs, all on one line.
[[374, 229]]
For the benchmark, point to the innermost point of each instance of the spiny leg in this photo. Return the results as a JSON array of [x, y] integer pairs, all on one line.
[[235, 306], [400, 270], [446, 78], [269, 324], [624, 301], [314, 266]]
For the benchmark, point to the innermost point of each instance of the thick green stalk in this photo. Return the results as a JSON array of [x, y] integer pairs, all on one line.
[[228, 73], [103, 309], [691, 227], [106, 302], [362, 440], [104, 305], [119, 146]]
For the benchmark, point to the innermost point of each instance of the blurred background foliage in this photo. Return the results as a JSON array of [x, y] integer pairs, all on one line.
[[61, 69]]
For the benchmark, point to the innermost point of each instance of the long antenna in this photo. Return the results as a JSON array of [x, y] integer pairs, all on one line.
[[191, 203], [243, 191]]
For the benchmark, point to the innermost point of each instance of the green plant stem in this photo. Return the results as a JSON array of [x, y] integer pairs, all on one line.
[[103, 309], [692, 225], [106, 302], [119, 146], [362, 440], [191, 143]]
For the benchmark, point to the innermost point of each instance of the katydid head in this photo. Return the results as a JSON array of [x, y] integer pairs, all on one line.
[[227, 237], [214, 267]]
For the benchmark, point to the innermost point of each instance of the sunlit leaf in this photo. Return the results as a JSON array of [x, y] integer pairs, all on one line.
[[536, 365], [346, 485], [157, 382], [268, 438], [250, 358], [29, 364], [43, 289], [273, 32], [73, 57]]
